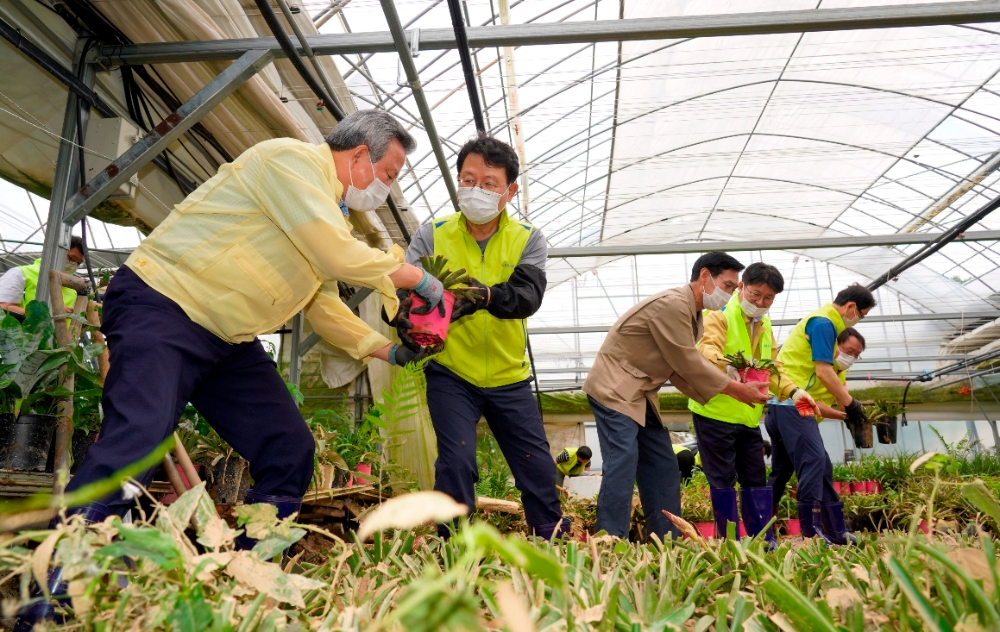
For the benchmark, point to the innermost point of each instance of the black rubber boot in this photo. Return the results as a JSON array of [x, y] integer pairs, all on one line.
[[724, 509], [286, 506], [40, 609], [806, 519], [833, 524], [757, 507]]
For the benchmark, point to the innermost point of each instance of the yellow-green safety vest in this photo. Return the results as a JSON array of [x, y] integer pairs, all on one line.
[[482, 349], [31, 285], [723, 407], [796, 355], [572, 467]]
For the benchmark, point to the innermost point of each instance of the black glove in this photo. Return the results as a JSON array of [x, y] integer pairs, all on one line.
[[401, 356], [402, 321], [856, 422], [465, 306]]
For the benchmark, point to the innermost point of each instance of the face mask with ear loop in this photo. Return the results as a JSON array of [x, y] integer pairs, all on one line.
[[844, 361], [717, 299], [850, 322], [369, 198], [479, 205]]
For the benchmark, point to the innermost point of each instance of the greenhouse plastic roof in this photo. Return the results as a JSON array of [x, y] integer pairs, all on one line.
[[729, 138]]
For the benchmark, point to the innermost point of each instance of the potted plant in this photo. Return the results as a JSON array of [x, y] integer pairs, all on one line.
[[431, 329], [788, 516], [751, 370], [888, 424], [697, 508], [29, 360]]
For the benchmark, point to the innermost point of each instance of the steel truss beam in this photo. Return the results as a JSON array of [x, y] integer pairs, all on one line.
[[861, 241], [846, 19], [898, 318], [171, 128]]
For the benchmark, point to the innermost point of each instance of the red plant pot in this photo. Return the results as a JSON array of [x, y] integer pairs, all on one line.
[[858, 487], [743, 530], [364, 468], [792, 527], [756, 375], [845, 489], [873, 487], [923, 527], [837, 485], [431, 329], [705, 529]]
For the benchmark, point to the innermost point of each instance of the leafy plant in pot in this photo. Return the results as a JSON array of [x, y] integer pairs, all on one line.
[[751, 370], [29, 360], [431, 329], [887, 420]]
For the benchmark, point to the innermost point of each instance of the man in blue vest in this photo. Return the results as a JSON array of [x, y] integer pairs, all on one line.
[[18, 285], [483, 370], [729, 438]]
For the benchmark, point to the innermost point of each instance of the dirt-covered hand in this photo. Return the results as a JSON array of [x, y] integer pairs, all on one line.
[[401, 356], [431, 290]]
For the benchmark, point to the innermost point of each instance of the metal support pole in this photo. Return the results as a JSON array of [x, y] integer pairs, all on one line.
[[458, 23], [169, 130], [57, 232], [403, 49], [295, 358]]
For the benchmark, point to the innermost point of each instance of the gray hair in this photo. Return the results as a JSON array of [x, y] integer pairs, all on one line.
[[373, 128]]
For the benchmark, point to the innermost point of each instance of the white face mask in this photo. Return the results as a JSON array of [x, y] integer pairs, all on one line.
[[844, 361], [751, 310], [478, 205], [717, 299], [850, 322], [367, 199], [71, 267]]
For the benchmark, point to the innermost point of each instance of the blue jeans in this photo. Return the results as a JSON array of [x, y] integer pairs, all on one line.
[[636, 454]]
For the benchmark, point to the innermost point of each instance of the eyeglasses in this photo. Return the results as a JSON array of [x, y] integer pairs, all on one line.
[[487, 186], [753, 295]]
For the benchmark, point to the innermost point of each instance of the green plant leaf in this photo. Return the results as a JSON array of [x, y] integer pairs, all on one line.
[[930, 615], [152, 544], [793, 604], [191, 613], [979, 495]]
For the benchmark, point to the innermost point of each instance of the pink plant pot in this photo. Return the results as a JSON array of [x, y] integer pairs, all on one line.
[[792, 527], [845, 489], [705, 529], [743, 530], [837, 486], [364, 468], [873, 487], [431, 329], [923, 527], [756, 375], [858, 487]]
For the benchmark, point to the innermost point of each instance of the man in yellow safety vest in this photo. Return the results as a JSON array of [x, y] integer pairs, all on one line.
[[484, 370], [572, 462], [18, 285], [807, 358], [728, 431]]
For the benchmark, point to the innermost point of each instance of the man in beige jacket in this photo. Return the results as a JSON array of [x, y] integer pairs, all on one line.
[[653, 343]]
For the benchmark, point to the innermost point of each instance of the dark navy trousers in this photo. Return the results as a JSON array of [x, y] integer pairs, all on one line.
[[797, 446], [631, 455], [512, 415], [730, 452], [160, 361]]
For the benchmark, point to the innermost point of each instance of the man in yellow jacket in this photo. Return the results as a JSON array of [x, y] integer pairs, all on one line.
[[808, 358], [264, 238], [729, 439]]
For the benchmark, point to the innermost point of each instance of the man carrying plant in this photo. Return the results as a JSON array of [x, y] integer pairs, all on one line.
[[654, 342], [18, 285], [728, 431], [807, 358], [850, 345], [484, 369]]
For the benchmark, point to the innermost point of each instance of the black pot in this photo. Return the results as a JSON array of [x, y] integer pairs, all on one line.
[[888, 430], [82, 440], [25, 441], [861, 432], [231, 479]]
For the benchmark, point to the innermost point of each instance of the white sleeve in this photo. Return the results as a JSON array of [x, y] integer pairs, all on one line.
[[12, 286]]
